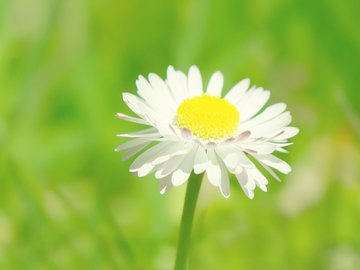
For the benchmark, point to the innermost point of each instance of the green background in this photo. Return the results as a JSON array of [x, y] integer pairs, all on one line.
[[67, 201]]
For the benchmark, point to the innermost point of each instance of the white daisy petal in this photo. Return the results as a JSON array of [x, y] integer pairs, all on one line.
[[195, 82], [165, 185], [182, 173], [268, 128], [201, 161], [163, 97], [133, 102], [131, 144], [286, 133], [259, 148], [271, 171], [231, 159], [282, 150], [224, 181], [169, 166], [215, 84], [176, 89], [149, 133], [274, 162], [213, 171], [131, 119], [259, 178], [183, 83], [134, 150], [177, 149], [148, 156], [247, 184], [253, 104], [268, 114], [236, 93]]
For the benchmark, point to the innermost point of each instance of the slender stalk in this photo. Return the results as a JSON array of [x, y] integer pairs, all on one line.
[[192, 192]]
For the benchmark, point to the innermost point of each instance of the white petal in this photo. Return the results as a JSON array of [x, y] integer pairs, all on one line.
[[183, 82], [243, 136], [253, 104], [242, 159], [177, 149], [271, 171], [247, 184], [231, 158], [282, 150], [165, 185], [213, 170], [148, 156], [149, 134], [215, 84], [237, 92], [195, 82], [274, 162], [178, 93], [201, 160], [145, 170], [131, 119], [132, 102], [161, 99], [134, 150], [259, 178], [263, 148], [183, 172], [267, 129], [169, 166], [131, 144], [138, 106], [286, 133], [268, 114], [224, 181], [145, 90]]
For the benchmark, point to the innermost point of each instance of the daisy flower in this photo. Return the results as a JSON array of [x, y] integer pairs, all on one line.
[[193, 128]]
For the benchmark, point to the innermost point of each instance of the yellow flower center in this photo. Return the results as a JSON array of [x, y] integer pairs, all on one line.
[[208, 117]]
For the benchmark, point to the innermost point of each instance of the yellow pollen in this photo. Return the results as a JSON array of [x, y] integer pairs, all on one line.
[[208, 117]]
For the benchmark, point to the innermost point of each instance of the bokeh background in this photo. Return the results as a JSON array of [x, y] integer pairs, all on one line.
[[67, 200]]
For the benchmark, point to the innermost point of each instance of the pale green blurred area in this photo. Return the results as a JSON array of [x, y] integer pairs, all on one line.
[[67, 201]]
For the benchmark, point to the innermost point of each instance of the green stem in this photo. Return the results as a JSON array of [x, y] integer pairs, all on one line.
[[192, 192]]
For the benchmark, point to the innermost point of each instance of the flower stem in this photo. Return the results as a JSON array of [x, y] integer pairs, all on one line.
[[192, 192]]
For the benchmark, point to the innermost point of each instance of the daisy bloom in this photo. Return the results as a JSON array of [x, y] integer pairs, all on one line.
[[193, 128]]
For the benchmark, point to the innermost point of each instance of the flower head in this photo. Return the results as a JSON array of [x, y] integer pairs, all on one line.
[[193, 129]]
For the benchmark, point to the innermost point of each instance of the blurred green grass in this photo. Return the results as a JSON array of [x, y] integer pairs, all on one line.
[[67, 200]]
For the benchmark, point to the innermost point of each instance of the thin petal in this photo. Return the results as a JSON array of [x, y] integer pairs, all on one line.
[[253, 104], [286, 133], [169, 166], [131, 119], [201, 161], [149, 133], [274, 162], [259, 178], [195, 82], [267, 129], [224, 181], [268, 114], [177, 90], [237, 92], [215, 84], [213, 170], [131, 144], [247, 184], [165, 185], [182, 174], [177, 149], [148, 156]]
